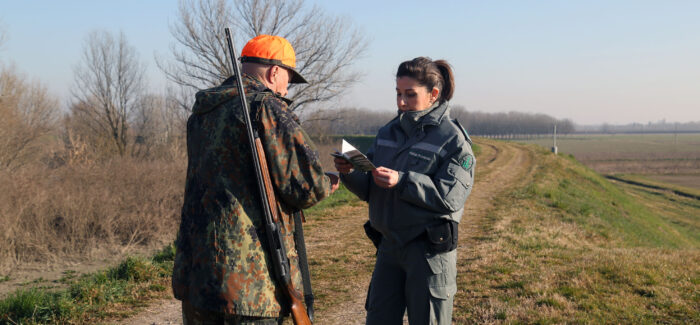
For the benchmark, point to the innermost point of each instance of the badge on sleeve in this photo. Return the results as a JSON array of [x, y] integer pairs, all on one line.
[[467, 162]]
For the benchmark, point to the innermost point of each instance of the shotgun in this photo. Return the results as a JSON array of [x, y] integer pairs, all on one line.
[[276, 247]]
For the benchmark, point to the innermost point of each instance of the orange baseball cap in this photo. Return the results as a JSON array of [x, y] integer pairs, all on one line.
[[272, 50]]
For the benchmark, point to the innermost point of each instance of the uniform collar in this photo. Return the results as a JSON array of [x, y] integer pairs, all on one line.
[[436, 115]]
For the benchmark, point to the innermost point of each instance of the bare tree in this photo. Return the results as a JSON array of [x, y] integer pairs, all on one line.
[[28, 113], [108, 85], [326, 46]]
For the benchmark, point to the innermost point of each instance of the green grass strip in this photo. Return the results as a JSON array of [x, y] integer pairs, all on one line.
[[91, 297]]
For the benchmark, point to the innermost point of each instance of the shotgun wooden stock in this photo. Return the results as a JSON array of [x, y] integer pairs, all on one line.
[[299, 315], [266, 180]]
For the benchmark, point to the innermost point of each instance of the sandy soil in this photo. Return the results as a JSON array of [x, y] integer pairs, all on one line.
[[499, 167]]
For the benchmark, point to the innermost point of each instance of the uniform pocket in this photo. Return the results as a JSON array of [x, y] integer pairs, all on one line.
[[436, 262], [442, 237], [443, 292], [443, 282], [457, 195]]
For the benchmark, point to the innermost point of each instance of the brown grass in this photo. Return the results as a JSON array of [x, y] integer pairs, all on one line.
[[78, 210], [538, 264]]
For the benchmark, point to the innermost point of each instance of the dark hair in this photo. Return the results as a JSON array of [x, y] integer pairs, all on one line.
[[430, 74]]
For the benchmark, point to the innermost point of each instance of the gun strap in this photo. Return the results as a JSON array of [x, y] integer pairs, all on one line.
[[255, 108], [303, 263]]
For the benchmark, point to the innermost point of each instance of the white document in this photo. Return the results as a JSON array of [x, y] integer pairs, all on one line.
[[358, 160]]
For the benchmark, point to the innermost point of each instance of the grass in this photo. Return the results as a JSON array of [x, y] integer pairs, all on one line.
[[564, 245], [607, 211], [115, 292], [108, 294], [569, 246], [341, 197], [86, 211], [340, 255]]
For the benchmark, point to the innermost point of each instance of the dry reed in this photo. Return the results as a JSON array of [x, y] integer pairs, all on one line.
[[77, 210]]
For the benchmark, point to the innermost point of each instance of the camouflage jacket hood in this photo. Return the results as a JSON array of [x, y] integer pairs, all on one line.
[[209, 99]]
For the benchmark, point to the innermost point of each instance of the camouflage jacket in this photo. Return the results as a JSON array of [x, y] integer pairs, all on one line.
[[222, 263]]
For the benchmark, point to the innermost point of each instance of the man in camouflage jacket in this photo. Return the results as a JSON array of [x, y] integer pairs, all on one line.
[[222, 265]]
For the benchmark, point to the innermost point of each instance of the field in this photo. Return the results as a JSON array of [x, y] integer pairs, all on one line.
[[569, 246], [544, 240], [667, 158]]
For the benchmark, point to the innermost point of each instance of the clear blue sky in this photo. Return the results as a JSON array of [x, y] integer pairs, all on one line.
[[591, 61]]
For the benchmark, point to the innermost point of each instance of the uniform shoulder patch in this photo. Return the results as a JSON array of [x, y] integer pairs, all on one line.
[[467, 162]]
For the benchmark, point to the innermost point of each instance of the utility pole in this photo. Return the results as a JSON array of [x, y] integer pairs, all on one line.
[[675, 136], [554, 147]]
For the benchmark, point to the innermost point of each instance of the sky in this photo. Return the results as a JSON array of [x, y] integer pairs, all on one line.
[[614, 61]]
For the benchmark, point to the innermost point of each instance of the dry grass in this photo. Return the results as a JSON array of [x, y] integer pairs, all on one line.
[[571, 248], [78, 210]]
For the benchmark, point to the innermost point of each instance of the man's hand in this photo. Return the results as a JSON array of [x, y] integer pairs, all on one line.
[[385, 177], [335, 181], [342, 165]]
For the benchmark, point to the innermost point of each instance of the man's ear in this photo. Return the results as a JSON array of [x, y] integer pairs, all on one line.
[[269, 75], [272, 74]]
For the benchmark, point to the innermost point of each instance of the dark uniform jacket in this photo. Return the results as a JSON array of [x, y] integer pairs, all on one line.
[[222, 263], [436, 175]]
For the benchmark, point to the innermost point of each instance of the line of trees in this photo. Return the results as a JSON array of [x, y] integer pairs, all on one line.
[[366, 122], [511, 124], [650, 127]]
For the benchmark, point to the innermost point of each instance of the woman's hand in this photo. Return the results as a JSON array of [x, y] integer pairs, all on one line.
[[343, 166], [385, 177]]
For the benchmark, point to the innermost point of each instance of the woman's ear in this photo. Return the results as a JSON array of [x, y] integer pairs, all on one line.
[[434, 94]]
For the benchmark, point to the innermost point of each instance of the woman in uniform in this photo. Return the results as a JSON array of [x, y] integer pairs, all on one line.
[[416, 198]]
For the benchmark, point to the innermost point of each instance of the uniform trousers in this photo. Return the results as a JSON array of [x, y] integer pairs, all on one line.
[[413, 280]]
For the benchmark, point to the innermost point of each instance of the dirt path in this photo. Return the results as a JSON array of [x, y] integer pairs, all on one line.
[[498, 167]]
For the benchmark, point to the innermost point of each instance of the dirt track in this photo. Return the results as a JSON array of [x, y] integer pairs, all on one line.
[[499, 167]]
